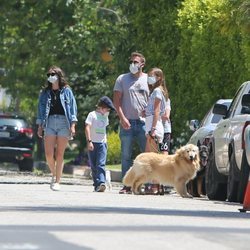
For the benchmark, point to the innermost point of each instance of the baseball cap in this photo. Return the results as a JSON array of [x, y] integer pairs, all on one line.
[[107, 101]]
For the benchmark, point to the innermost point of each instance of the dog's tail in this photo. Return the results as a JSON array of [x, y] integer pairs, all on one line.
[[129, 177]]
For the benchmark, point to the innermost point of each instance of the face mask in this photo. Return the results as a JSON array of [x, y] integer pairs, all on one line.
[[151, 80], [134, 68], [53, 79], [104, 112]]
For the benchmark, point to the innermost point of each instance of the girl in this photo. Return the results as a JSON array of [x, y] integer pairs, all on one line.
[[155, 109]]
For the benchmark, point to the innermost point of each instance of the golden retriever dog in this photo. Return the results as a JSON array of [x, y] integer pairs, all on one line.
[[174, 170]]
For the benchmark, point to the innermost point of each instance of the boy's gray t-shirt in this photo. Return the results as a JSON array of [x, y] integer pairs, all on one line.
[[135, 94]]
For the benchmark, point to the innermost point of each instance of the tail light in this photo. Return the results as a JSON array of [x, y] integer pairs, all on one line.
[[27, 131], [26, 155], [243, 132]]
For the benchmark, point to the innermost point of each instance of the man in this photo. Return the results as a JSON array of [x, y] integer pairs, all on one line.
[[130, 99]]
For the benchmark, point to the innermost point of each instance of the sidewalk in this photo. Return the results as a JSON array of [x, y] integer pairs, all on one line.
[[81, 176]]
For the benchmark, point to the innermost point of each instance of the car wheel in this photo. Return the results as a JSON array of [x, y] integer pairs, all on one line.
[[26, 165], [244, 174], [233, 178], [216, 183]]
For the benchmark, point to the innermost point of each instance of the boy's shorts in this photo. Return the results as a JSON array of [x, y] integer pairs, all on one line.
[[165, 145]]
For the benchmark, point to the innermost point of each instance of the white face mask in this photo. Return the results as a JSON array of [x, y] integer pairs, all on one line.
[[134, 68], [151, 80], [52, 79]]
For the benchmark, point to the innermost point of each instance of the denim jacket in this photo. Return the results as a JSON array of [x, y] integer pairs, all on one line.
[[68, 102]]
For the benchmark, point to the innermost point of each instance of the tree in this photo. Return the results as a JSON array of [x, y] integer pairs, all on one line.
[[210, 59], [202, 46], [74, 35]]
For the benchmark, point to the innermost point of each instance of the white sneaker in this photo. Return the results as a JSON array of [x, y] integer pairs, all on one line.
[[52, 182], [56, 187]]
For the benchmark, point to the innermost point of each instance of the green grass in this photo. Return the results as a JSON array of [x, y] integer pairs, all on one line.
[[114, 167]]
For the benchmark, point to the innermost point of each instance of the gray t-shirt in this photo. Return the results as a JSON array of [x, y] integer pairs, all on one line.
[[150, 109], [134, 94]]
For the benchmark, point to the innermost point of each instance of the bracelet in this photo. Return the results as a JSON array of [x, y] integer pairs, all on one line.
[[89, 140], [153, 128]]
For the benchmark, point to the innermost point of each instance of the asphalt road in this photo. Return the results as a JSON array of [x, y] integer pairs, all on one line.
[[34, 217]]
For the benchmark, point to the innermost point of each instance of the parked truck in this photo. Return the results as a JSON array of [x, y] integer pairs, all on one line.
[[229, 149]]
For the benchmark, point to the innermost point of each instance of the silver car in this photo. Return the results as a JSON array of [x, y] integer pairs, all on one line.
[[203, 130]]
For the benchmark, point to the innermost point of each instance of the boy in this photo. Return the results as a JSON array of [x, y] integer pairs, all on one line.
[[95, 131]]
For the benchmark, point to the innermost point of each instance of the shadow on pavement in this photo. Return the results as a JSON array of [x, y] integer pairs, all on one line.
[[127, 210]]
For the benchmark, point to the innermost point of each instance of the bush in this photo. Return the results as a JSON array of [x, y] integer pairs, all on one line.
[[114, 148]]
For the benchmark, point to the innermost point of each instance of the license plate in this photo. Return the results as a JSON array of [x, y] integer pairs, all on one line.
[[4, 134]]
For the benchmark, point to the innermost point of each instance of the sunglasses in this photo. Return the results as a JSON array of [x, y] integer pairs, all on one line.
[[51, 74], [134, 62]]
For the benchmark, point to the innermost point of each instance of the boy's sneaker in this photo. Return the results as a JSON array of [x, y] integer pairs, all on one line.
[[125, 190], [101, 188], [56, 187]]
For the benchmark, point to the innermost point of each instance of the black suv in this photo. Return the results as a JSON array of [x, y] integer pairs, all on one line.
[[16, 141]]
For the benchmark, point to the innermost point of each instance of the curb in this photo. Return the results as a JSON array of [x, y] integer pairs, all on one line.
[[116, 175]]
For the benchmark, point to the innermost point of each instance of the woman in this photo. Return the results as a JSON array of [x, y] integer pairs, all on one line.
[[57, 116], [155, 109]]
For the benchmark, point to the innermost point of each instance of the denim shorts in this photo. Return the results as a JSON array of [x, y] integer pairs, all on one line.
[[57, 126]]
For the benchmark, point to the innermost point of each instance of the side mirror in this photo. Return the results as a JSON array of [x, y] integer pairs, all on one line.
[[194, 125], [220, 109]]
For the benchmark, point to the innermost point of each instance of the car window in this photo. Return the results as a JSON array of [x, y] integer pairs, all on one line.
[[216, 118], [234, 103], [206, 119], [12, 122]]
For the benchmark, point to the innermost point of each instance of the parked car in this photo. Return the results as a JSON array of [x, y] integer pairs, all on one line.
[[203, 130], [229, 156], [201, 138], [16, 141]]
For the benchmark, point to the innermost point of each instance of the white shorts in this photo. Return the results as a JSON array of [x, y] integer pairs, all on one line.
[[159, 130]]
